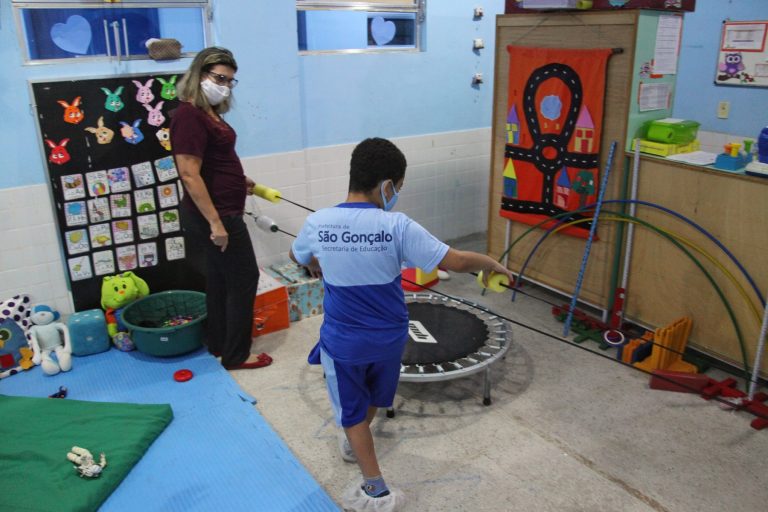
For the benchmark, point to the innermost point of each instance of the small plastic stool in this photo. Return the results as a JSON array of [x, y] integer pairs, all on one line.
[[88, 332]]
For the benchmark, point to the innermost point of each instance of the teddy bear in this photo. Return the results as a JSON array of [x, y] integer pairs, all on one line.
[[116, 293], [46, 336]]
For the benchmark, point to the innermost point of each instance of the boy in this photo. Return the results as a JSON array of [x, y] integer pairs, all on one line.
[[359, 247]]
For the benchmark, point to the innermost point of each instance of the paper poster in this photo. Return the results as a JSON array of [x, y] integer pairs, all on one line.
[[169, 221], [119, 179], [98, 210], [147, 254], [668, 35], [145, 200], [80, 268], [98, 183], [653, 97], [100, 235], [166, 168], [174, 248], [122, 231], [75, 213], [142, 174], [167, 195], [77, 241], [147, 226], [103, 263], [126, 258], [120, 205], [73, 187]]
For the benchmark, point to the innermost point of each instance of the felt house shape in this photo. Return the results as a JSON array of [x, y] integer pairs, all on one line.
[[513, 126], [562, 189], [585, 132], [510, 179]]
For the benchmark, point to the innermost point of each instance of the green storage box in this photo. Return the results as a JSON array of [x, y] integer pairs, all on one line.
[[167, 323], [671, 131]]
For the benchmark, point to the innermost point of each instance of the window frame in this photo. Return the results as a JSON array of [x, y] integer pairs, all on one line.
[[21, 32], [415, 7]]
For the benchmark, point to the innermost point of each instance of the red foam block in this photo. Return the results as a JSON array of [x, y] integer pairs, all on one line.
[[680, 382]]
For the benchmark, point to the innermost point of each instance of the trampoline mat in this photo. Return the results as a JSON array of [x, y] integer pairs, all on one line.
[[458, 334]]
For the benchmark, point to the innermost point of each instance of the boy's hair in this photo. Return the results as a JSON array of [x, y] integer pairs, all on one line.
[[189, 86], [375, 160]]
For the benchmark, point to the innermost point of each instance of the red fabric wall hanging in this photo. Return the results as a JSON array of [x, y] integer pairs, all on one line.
[[554, 127]]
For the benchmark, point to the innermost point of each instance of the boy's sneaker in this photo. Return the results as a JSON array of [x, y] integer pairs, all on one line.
[[345, 449], [355, 499]]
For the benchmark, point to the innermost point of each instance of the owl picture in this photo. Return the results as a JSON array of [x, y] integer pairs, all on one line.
[[731, 66]]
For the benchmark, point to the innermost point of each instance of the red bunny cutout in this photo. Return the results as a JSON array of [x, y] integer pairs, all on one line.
[[59, 154]]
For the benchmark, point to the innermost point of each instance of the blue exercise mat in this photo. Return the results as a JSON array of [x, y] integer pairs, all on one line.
[[218, 453]]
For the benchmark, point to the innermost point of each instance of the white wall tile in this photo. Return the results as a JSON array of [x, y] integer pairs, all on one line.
[[446, 190]]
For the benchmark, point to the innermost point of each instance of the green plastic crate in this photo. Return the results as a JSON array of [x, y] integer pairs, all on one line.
[[148, 318]]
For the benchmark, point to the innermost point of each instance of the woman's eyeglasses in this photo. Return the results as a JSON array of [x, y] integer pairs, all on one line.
[[223, 79]]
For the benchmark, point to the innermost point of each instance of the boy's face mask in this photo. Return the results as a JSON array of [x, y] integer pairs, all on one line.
[[388, 205]]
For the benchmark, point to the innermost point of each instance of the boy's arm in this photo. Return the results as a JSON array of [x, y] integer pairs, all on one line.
[[468, 261], [313, 266]]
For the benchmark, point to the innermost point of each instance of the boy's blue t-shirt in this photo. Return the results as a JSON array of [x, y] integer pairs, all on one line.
[[361, 250]]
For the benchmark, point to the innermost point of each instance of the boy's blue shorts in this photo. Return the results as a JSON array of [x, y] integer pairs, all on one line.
[[352, 388]]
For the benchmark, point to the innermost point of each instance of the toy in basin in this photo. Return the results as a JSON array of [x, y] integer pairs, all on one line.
[[48, 336], [168, 323], [117, 292]]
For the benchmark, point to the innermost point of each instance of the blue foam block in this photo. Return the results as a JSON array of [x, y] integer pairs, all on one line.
[[88, 332]]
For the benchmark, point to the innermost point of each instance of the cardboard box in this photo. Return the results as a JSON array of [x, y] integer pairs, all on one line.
[[305, 293], [515, 6], [270, 309]]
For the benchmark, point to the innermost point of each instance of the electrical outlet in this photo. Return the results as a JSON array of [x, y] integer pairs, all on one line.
[[723, 109]]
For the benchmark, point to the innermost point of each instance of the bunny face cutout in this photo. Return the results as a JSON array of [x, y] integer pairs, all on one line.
[[131, 133], [72, 113], [155, 117], [113, 103], [144, 93], [103, 134], [169, 88], [59, 154]]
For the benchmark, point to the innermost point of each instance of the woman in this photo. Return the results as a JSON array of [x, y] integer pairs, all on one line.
[[212, 209]]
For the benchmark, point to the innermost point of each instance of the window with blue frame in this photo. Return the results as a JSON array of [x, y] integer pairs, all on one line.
[[65, 31], [382, 25]]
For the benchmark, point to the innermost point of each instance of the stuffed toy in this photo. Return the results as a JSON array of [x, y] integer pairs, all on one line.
[[86, 464], [47, 335], [116, 293], [15, 354]]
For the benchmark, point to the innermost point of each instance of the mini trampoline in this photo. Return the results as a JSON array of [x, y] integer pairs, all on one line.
[[451, 338]]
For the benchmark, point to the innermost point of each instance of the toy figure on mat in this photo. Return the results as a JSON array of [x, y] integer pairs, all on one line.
[[47, 335], [86, 464], [116, 293], [359, 246]]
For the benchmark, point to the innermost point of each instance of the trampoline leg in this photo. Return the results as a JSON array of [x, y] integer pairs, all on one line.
[[390, 412], [487, 387]]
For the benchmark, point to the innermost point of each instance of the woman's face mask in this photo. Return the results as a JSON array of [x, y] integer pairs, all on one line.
[[213, 92], [388, 204]]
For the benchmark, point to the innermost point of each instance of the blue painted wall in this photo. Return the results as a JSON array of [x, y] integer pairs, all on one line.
[[697, 96], [286, 102]]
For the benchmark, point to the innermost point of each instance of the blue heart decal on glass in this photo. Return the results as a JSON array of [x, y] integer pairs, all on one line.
[[74, 36], [382, 31]]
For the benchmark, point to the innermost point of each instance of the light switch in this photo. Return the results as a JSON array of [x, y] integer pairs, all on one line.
[[723, 109]]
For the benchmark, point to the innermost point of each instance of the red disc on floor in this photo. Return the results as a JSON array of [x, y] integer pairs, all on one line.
[[182, 375]]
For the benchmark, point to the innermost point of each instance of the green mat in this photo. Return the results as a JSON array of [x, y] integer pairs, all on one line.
[[37, 433]]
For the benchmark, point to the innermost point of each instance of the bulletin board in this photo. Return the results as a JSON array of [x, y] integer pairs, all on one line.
[[743, 56], [653, 86], [113, 181]]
